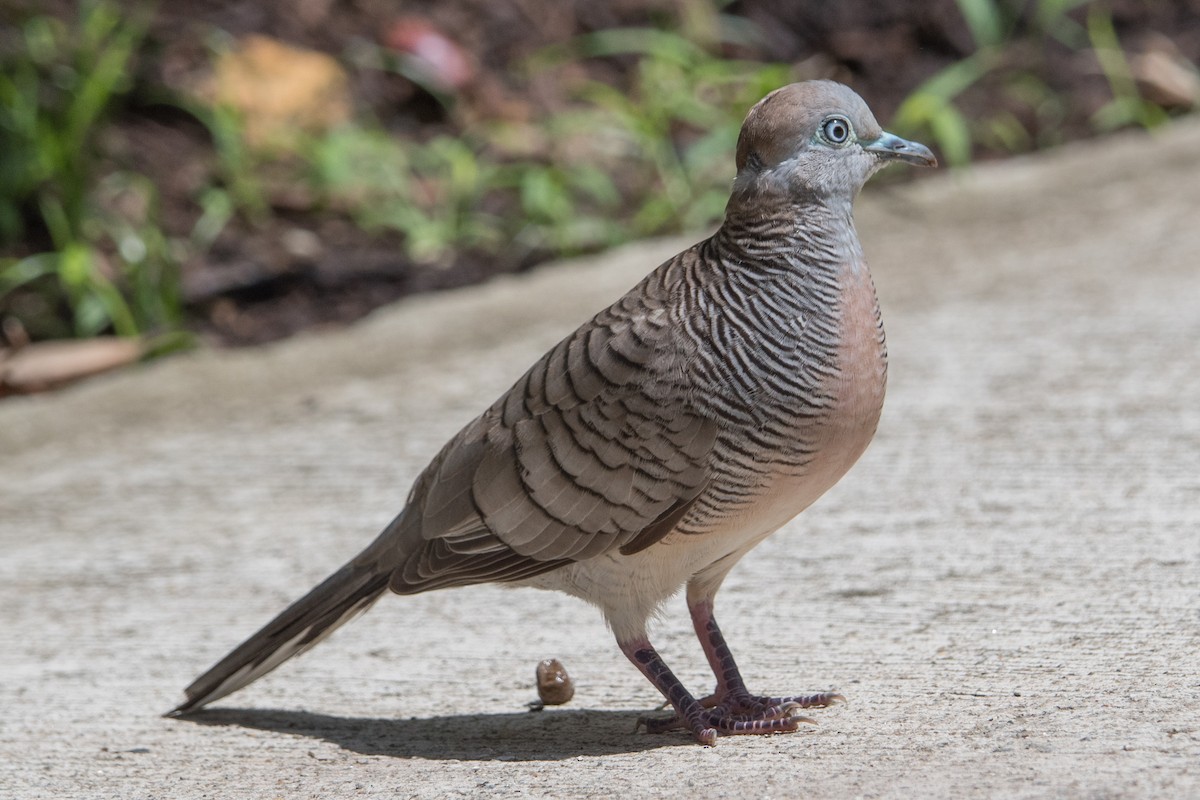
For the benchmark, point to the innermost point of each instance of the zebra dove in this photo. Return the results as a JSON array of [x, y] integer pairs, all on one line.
[[657, 444]]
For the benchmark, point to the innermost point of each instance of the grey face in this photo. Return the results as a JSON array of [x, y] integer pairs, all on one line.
[[816, 138]]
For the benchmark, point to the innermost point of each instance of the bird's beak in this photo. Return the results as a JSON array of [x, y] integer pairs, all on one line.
[[891, 147]]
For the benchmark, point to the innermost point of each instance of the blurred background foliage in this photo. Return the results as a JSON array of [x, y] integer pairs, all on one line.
[[241, 171]]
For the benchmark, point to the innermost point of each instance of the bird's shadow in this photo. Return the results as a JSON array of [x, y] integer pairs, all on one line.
[[551, 735]]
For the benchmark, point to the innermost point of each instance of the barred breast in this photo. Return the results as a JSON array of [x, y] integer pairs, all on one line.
[[788, 357]]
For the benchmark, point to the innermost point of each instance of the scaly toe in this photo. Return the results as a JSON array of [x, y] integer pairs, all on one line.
[[818, 700]]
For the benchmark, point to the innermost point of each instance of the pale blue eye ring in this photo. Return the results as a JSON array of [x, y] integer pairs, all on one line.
[[836, 130]]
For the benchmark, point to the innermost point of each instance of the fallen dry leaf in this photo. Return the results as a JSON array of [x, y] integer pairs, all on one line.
[[41, 366], [279, 90], [433, 54], [1165, 75]]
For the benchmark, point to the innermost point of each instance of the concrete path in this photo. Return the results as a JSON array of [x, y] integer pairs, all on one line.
[[1006, 588]]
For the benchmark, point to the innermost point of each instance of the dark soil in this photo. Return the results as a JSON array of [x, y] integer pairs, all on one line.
[[300, 268]]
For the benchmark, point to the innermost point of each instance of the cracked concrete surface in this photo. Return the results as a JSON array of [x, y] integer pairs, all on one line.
[[1006, 588]]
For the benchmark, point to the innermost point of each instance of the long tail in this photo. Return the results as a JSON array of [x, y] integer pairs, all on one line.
[[344, 594]]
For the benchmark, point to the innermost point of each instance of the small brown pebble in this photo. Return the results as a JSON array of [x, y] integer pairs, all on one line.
[[554, 685]]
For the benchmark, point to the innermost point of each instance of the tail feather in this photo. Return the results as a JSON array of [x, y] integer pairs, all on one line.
[[342, 596]]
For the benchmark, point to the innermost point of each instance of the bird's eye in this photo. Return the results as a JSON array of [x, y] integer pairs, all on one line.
[[836, 130]]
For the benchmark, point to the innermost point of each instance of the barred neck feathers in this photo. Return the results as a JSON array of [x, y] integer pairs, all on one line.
[[763, 302], [796, 236]]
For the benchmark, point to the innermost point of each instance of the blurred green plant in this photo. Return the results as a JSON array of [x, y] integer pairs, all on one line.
[[438, 194], [931, 107], [1127, 107], [998, 30], [108, 261], [672, 131], [616, 165], [566, 208], [238, 167], [647, 157], [430, 193]]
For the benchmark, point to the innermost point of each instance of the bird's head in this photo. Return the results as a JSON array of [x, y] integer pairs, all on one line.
[[815, 139]]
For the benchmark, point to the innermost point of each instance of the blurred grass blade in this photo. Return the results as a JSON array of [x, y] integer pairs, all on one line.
[[931, 107], [27, 270], [1051, 18], [985, 20], [663, 45], [1127, 107]]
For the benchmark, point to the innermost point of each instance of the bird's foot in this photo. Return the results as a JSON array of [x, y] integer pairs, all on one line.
[[742, 713], [744, 703]]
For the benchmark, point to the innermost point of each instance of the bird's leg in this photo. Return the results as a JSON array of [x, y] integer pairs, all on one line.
[[731, 695], [704, 723], [688, 711]]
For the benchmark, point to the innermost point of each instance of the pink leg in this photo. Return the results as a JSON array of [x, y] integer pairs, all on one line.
[[704, 723], [688, 711], [731, 694]]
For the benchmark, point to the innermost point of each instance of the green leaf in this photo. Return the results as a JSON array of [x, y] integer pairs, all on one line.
[[91, 316], [75, 267], [27, 269], [662, 45], [953, 135], [1051, 18], [595, 184], [542, 196], [985, 20], [1127, 106]]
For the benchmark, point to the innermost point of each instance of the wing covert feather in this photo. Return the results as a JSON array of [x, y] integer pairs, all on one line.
[[594, 449]]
